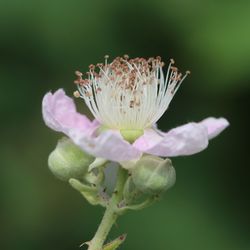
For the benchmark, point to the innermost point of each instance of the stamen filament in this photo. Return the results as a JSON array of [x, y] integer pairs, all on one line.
[[129, 93]]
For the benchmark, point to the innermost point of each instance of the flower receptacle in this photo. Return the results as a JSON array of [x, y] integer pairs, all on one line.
[[131, 135]]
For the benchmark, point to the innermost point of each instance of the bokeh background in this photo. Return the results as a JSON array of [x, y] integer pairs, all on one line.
[[42, 44]]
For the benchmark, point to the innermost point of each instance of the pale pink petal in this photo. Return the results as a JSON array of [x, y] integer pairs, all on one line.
[[59, 113], [109, 145], [148, 140], [214, 126], [184, 140]]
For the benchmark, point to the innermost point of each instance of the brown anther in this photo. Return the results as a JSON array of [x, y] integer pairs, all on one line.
[[113, 67], [174, 68], [126, 57], [91, 66], [76, 94], [131, 104], [88, 94], [98, 89], [172, 61], [141, 60], [150, 59], [158, 58], [78, 73], [178, 78]]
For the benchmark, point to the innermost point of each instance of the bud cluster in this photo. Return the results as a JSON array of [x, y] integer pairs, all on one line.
[[146, 179]]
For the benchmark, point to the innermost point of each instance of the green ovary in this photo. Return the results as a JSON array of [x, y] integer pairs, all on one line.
[[131, 135]]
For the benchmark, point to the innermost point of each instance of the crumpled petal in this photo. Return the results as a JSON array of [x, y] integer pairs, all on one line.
[[188, 139], [59, 113], [109, 145], [214, 126]]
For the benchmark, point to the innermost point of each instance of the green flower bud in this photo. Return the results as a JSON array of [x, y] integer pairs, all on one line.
[[130, 192], [68, 160], [153, 175]]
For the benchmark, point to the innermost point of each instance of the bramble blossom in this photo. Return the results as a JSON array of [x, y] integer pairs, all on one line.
[[127, 97]]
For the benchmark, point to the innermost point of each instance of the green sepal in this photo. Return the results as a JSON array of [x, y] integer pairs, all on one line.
[[89, 193], [95, 177], [97, 163], [114, 244], [130, 192], [144, 204]]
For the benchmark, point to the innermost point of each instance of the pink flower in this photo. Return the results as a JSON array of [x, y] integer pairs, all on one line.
[[127, 97]]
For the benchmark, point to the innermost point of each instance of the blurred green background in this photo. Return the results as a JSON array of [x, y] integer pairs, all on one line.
[[42, 44]]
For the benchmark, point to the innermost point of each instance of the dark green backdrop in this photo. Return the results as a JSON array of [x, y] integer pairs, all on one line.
[[42, 44]]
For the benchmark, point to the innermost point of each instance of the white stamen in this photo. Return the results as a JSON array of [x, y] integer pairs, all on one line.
[[129, 94]]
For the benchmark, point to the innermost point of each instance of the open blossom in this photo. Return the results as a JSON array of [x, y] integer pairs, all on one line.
[[127, 97]]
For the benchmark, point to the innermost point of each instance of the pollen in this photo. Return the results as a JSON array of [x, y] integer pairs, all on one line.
[[129, 93]]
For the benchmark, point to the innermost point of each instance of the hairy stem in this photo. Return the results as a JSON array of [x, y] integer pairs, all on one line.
[[110, 214]]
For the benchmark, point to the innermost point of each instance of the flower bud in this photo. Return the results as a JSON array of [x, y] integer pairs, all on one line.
[[130, 192], [68, 160], [153, 175]]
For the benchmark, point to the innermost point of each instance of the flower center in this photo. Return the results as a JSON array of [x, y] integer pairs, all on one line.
[[128, 94]]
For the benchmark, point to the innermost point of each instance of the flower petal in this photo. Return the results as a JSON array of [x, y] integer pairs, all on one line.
[[184, 140], [59, 113], [148, 140], [214, 126], [109, 145]]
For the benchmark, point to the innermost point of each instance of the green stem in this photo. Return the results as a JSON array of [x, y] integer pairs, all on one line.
[[110, 214]]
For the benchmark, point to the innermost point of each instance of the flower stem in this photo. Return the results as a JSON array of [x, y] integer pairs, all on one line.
[[110, 214]]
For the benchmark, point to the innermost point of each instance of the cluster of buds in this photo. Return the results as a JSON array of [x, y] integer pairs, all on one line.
[[150, 176]]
